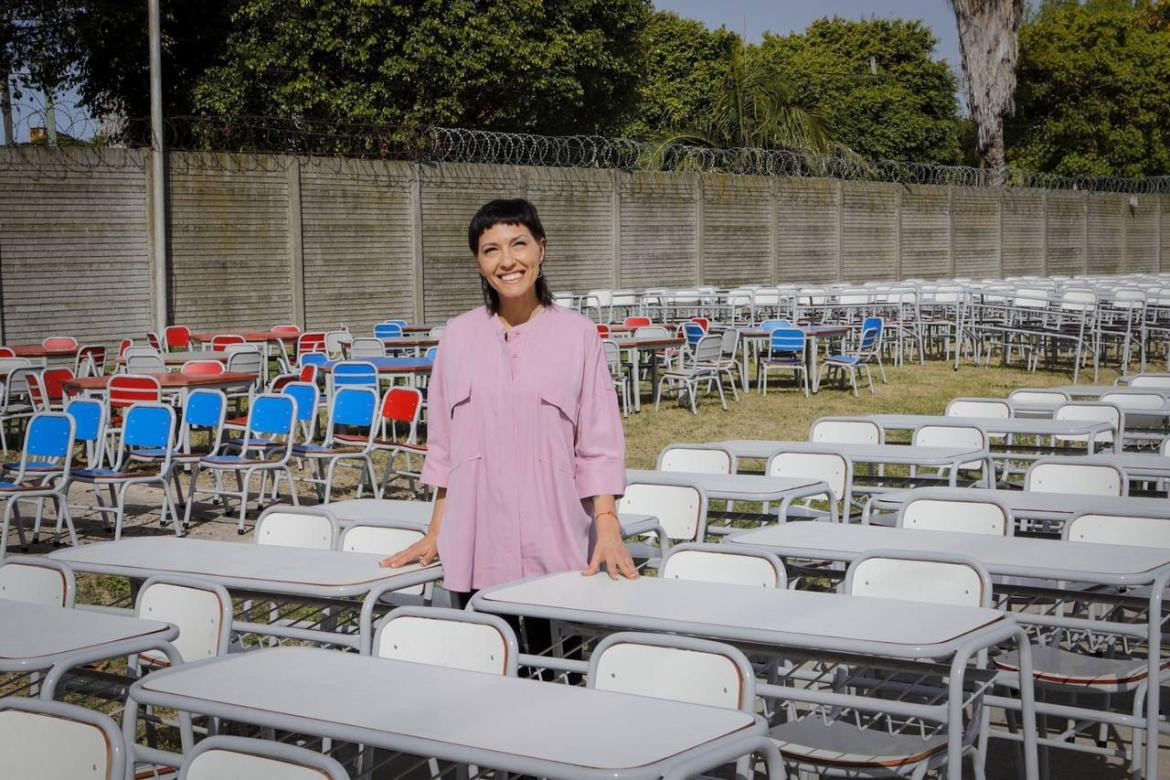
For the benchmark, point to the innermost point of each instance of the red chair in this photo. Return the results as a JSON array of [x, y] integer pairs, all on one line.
[[703, 322], [59, 342], [308, 374], [636, 322], [128, 389], [220, 343], [36, 391], [153, 340], [7, 352], [177, 337], [53, 382], [603, 331], [286, 330], [202, 368], [310, 342], [400, 406], [91, 360], [124, 345]]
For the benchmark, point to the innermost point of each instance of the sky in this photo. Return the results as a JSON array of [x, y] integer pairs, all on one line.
[[785, 16], [750, 16]]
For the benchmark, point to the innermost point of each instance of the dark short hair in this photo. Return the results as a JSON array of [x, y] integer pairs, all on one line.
[[506, 211]]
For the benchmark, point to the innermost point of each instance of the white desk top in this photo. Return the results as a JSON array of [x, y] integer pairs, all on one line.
[[382, 511], [872, 453], [1142, 464], [342, 692], [1050, 506], [1023, 425], [1009, 556], [734, 487], [1096, 391], [790, 618], [239, 565], [36, 637]]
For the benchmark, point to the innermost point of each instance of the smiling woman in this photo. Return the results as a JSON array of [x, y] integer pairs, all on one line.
[[524, 441]]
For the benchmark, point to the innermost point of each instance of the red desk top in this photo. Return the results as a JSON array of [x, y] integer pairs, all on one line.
[[167, 380], [248, 335], [37, 351]]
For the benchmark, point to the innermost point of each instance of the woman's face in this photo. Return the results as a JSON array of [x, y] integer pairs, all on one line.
[[509, 258]]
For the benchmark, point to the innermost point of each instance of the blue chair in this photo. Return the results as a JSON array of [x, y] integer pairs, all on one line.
[[391, 329], [147, 427], [867, 350], [353, 408], [317, 359], [353, 373], [203, 410], [89, 418], [308, 398], [266, 447], [693, 332], [43, 472], [786, 352], [770, 325]]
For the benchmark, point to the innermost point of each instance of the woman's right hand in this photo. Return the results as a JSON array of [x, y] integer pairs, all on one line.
[[422, 552]]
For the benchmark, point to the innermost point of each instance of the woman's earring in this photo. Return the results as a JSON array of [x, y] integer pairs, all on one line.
[[540, 272]]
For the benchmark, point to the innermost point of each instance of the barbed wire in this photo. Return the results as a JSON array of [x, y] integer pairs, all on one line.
[[448, 154]]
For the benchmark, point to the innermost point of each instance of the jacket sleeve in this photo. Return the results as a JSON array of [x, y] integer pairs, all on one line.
[[600, 450], [437, 463]]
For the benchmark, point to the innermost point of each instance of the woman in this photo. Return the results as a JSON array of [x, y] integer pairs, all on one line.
[[524, 439]]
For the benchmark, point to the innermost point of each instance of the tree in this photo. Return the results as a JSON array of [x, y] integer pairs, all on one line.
[[555, 67], [876, 84], [684, 65], [1094, 90], [989, 48]]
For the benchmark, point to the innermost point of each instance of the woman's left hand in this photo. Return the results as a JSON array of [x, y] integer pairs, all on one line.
[[611, 551]]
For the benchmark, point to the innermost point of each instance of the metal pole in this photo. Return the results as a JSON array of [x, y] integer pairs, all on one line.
[[158, 171], [6, 108]]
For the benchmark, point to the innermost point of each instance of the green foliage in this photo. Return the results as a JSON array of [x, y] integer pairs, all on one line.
[[1094, 90], [906, 111], [551, 66], [684, 66]]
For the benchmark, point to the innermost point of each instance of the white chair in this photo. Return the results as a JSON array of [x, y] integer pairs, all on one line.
[[1090, 411], [381, 540], [1150, 380], [979, 407], [703, 367], [1044, 402], [976, 515], [1133, 530], [239, 758], [954, 436], [831, 741], [201, 610], [681, 509], [366, 347], [37, 580], [52, 740], [144, 364], [1068, 476], [621, 382], [454, 638], [703, 460], [727, 563], [833, 468], [314, 528], [845, 430]]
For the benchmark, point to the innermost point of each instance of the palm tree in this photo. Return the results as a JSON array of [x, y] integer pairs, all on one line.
[[989, 48], [755, 107]]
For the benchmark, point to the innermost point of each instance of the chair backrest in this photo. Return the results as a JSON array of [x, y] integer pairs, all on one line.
[[366, 347], [306, 395], [221, 342], [381, 540], [149, 425], [979, 407], [52, 740], [139, 349], [1093, 411], [729, 343], [388, 330], [31, 379], [786, 341], [123, 346], [437, 331], [871, 333], [1068, 476], [402, 405], [273, 414], [652, 332], [702, 322], [53, 382], [838, 430], [693, 332], [89, 419], [286, 330], [126, 389], [37, 580], [833, 468], [708, 350], [201, 610], [7, 352], [636, 322], [697, 459], [1041, 397], [91, 360], [603, 330], [950, 436], [770, 325], [1150, 380], [681, 509], [177, 337], [1132, 530], [664, 666], [204, 408], [975, 515], [310, 342], [244, 358], [928, 578], [202, 368], [355, 373], [354, 406], [453, 638], [48, 437], [60, 342], [335, 341], [727, 563], [313, 528], [613, 356], [237, 758], [144, 364], [153, 340], [1135, 401], [308, 372]]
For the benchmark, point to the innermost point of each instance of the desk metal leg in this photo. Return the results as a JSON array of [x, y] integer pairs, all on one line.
[[814, 352]]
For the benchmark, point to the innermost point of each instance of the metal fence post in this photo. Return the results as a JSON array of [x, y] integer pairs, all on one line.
[[296, 244]]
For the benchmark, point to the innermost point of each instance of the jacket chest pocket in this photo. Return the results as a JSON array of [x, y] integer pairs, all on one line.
[[557, 429]]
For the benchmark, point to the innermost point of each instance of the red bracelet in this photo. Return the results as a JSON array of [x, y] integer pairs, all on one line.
[[600, 515]]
